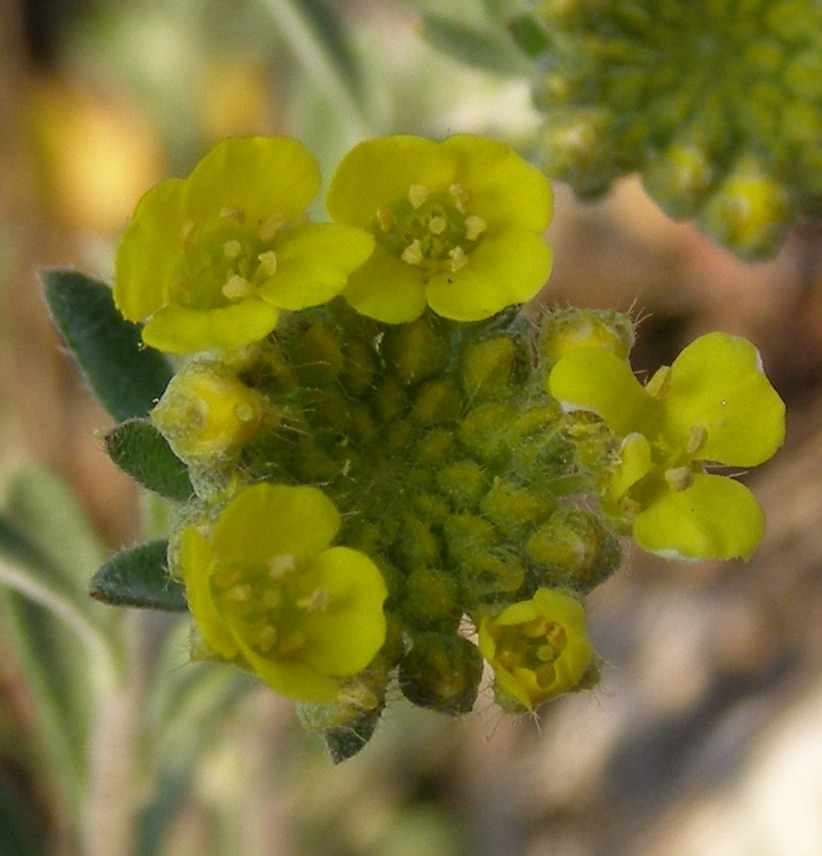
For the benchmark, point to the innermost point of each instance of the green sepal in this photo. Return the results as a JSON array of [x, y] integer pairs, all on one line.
[[139, 577], [143, 453], [125, 375], [348, 740]]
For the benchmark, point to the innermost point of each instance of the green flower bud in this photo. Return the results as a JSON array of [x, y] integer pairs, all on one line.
[[441, 672]]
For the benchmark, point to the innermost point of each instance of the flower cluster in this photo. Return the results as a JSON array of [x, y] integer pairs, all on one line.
[[392, 474], [717, 105]]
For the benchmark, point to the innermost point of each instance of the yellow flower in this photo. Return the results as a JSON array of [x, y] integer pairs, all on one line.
[[457, 225], [538, 649], [714, 404], [267, 591], [208, 262]]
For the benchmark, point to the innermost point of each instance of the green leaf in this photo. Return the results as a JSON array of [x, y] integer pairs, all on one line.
[[141, 451], [126, 376], [529, 35], [482, 48], [139, 577]]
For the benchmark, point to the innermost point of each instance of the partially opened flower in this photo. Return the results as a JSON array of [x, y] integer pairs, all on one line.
[[208, 262], [457, 225], [538, 649], [267, 590], [713, 405]]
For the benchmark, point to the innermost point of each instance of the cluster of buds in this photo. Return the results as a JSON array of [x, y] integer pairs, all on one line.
[[396, 479], [718, 106]]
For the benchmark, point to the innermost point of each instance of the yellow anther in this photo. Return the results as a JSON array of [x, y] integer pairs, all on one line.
[[413, 254], [268, 260], [291, 644], [237, 288], [679, 478], [239, 594], [279, 566], [317, 601], [236, 215], [547, 653], [232, 249], [458, 259], [187, 234], [267, 639], [437, 225], [659, 382], [474, 227], [227, 577], [535, 628], [418, 194], [697, 439], [545, 675], [270, 226], [386, 219], [460, 196]]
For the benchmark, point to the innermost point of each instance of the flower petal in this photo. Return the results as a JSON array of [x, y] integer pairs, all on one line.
[[717, 382], [180, 330], [715, 518], [293, 678], [504, 189], [313, 264], [194, 559], [149, 251], [377, 173], [597, 380], [269, 520], [344, 638], [507, 268], [259, 176], [386, 289]]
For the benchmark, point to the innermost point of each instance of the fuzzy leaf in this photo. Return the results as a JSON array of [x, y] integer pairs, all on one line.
[[139, 577], [142, 452], [126, 376]]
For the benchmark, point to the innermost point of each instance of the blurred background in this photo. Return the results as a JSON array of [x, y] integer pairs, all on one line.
[[705, 736]]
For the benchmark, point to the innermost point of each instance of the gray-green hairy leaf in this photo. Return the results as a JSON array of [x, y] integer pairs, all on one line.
[[141, 451], [139, 577], [125, 376]]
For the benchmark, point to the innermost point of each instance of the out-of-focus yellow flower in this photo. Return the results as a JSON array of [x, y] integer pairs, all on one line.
[[714, 404], [538, 648], [457, 225], [208, 262], [267, 591]]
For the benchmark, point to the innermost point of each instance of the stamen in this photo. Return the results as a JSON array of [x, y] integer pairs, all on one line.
[[657, 385], [386, 219], [418, 194], [268, 260], [187, 234], [267, 639], [291, 644], [232, 249], [547, 653], [437, 225], [279, 566], [474, 227], [461, 197], [237, 288], [245, 413], [412, 254], [317, 601], [458, 259], [270, 226], [697, 439], [535, 628], [235, 214], [239, 594], [679, 478]]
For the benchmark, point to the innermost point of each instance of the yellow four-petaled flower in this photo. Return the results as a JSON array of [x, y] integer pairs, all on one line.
[[267, 590]]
